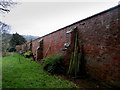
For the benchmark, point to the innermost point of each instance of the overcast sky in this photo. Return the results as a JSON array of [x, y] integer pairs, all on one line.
[[40, 18]]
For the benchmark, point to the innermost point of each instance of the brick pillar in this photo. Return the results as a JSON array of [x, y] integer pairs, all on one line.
[[70, 49], [30, 47], [39, 50]]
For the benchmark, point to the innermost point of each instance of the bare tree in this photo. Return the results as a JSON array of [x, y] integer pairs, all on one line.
[[5, 5], [5, 8], [4, 28]]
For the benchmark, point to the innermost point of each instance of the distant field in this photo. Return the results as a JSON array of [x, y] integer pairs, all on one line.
[[19, 72]]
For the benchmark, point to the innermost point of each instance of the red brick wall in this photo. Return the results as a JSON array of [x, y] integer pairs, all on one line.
[[35, 44], [54, 43], [100, 37]]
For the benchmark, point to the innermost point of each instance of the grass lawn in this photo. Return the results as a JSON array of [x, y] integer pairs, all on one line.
[[28, 74]]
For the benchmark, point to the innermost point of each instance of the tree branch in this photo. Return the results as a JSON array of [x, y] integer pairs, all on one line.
[[6, 10]]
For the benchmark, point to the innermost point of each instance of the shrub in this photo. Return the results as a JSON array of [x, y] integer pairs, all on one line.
[[28, 54], [54, 64]]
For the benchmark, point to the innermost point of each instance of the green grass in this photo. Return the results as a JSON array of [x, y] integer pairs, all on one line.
[[28, 74]]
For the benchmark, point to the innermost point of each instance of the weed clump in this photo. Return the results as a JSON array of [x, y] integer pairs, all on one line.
[[28, 54], [54, 64]]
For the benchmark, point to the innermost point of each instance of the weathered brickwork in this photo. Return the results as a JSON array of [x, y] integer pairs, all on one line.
[[100, 37]]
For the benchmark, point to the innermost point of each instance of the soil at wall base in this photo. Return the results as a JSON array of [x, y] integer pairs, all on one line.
[[86, 82]]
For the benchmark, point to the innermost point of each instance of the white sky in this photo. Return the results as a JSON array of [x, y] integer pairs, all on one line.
[[40, 18]]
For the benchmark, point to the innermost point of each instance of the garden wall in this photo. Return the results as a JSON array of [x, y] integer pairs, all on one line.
[[100, 37]]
